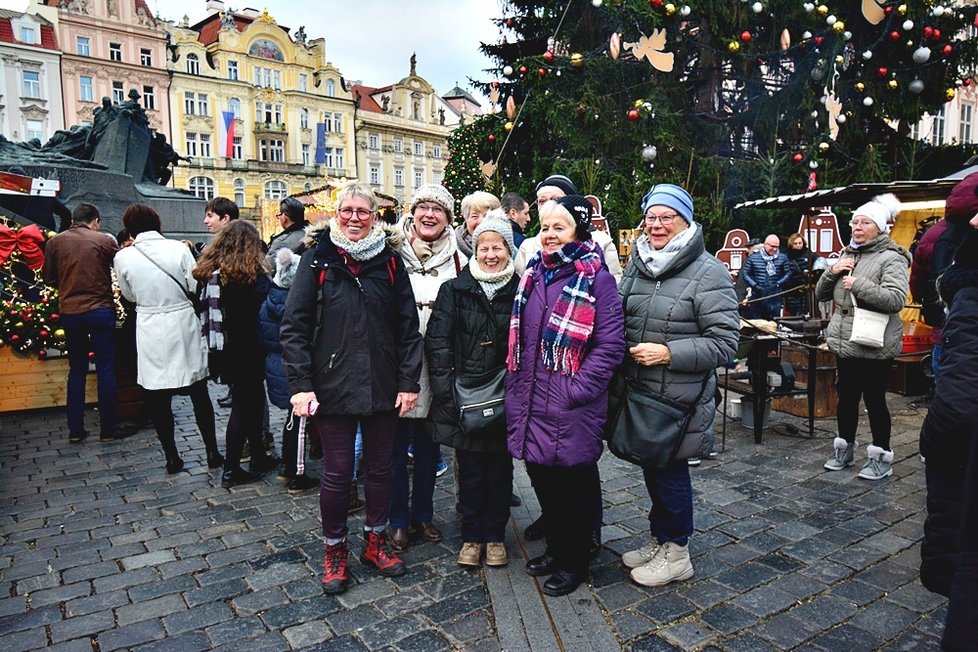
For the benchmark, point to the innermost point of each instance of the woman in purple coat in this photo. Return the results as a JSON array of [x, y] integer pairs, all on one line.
[[567, 338]]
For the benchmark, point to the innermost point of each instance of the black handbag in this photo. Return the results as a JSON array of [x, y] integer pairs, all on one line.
[[480, 401], [647, 428]]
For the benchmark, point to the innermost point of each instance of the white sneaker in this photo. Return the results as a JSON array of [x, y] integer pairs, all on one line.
[[670, 564], [642, 556]]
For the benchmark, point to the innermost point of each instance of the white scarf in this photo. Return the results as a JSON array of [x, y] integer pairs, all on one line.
[[491, 282], [363, 249], [659, 260]]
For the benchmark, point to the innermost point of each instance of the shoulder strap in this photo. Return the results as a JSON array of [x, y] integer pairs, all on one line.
[[458, 266], [391, 268], [185, 291]]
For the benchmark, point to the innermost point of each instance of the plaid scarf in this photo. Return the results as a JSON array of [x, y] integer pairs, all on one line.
[[211, 315], [572, 320]]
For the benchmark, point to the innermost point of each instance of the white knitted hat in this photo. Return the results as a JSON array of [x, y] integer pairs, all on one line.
[[881, 209], [497, 222], [438, 194]]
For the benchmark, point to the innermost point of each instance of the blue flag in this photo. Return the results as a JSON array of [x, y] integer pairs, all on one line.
[[321, 143]]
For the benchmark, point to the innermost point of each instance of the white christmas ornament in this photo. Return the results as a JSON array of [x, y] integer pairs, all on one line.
[[806, 34], [841, 118], [830, 20], [809, 6], [907, 25], [508, 70], [757, 7], [867, 101], [921, 54], [596, 3], [649, 152], [867, 55], [685, 10], [916, 87]]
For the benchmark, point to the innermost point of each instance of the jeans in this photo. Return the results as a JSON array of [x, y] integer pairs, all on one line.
[[95, 328], [425, 465], [357, 453], [485, 484], [864, 378], [567, 499], [936, 352], [760, 308], [338, 434], [671, 516]]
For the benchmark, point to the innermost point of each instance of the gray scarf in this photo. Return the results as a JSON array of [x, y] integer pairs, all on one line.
[[363, 249], [491, 282], [660, 260], [464, 239], [771, 269]]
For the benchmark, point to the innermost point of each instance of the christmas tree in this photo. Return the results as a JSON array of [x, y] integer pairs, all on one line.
[[463, 173], [717, 94]]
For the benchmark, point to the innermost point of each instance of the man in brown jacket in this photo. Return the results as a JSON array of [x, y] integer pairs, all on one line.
[[78, 262]]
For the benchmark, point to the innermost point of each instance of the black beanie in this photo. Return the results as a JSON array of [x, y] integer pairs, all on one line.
[[558, 181], [579, 208]]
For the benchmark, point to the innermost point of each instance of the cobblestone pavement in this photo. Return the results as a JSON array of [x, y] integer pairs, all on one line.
[[101, 550]]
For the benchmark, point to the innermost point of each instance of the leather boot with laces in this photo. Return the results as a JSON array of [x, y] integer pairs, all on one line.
[[470, 555], [335, 578], [669, 564], [641, 556], [378, 554], [843, 455]]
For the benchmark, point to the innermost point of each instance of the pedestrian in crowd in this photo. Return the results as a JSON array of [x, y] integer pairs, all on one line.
[[468, 335], [270, 322], [872, 272], [232, 269], [681, 323], [799, 261], [79, 262], [219, 212], [431, 257], [933, 255], [766, 272], [352, 351], [566, 340], [517, 210], [292, 218], [554, 187], [156, 274], [949, 440], [474, 207]]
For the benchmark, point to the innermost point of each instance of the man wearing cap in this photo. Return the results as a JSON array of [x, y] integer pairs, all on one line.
[[554, 187], [766, 272]]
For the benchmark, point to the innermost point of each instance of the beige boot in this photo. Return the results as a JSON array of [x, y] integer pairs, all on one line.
[[642, 556], [496, 554], [670, 564], [470, 555]]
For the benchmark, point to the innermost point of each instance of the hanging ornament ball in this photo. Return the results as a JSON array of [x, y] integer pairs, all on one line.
[[670, 9], [509, 22], [813, 165], [823, 146], [947, 50], [14, 339], [831, 20], [524, 70], [902, 10], [888, 10], [839, 59], [733, 46], [655, 3], [916, 87], [43, 332], [895, 35], [867, 55], [822, 10], [685, 11], [54, 316], [785, 39], [508, 70], [614, 46], [42, 354], [548, 56], [597, 3], [818, 40], [867, 101], [928, 32], [797, 157], [638, 103], [508, 126], [633, 115], [949, 94], [936, 35], [882, 71], [757, 7], [847, 35], [495, 85], [542, 72], [745, 36], [893, 84], [907, 25], [806, 34], [938, 11], [840, 119], [492, 138], [59, 334], [649, 152], [19, 325], [838, 27], [809, 6], [577, 60], [921, 54]]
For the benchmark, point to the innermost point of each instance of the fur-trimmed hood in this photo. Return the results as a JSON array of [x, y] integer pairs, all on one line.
[[316, 230]]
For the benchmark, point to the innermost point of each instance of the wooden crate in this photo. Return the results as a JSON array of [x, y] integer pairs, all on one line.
[[826, 396], [30, 383]]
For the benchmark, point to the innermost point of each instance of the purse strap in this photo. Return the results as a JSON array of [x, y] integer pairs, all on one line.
[[185, 291]]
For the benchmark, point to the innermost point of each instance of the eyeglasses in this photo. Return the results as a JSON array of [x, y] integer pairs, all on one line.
[[666, 220], [434, 209], [347, 213], [862, 223]]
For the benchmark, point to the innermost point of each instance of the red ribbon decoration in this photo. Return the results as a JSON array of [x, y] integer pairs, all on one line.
[[27, 241]]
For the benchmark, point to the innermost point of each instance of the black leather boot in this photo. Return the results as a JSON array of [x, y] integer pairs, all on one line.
[[563, 582]]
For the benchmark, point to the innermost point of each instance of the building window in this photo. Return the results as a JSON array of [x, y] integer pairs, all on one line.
[[118, 93], [190, 103], [340, 164], [418, 148], [32, 83], [35, 129], [373, 141], [191, 144], [202, 108], [418, 178], [233, 70], [375, 175], [149, 98], [115, 51], [27, 35], [338, 123], [266, 77], [236, 150], [234, 106], [205, 145], [305, 154], [398, 145], [276, 79], [436, 178], [303, 82], [398, 178], [964, 132], [83, 46], [193, 64], [273, 150], [239, 195], [330, 88], [276, 190], [436, 151], [145, 57], [328, 157], [203, 187], [937, 138], [86, 91], [304, 118]]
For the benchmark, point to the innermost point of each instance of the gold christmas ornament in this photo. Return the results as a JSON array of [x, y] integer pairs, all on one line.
[[822, 11], [839, 59], [670, 9], [893, 84], [860, 87], [638, 103], [949, 94], [733, 46], [508, 126], [614, 46], [59, 334], [823, 147], [838, 27], [510, 107], [577, 60], [902, 10]]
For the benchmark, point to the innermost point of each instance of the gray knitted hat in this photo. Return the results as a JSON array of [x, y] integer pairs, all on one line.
[[438, 194], [496, 221]]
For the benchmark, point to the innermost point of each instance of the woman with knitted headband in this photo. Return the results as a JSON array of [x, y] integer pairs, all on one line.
[[873, 273], [566, 339]]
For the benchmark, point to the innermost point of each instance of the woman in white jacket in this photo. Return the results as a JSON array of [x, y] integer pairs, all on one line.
[[157, 275], [431, 256]]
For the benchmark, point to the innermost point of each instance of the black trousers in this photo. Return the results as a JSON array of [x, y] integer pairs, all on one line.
[[244, 422], [158, 404], [862, 378], [566, 497], [485, 484]]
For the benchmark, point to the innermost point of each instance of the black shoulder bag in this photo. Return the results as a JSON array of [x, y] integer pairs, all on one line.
[[480, 398]]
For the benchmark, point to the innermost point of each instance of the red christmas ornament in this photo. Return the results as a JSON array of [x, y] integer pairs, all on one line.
[[54, 316], [43, 332], [888, 10], [542, 72], [492, 138], [882, 71], [947, 50], [548, 56], [937, 34], [91, 355], [14, 338], [633, 115], [895, 35], [928, 32], [745, 36], [42, 354], [523, 70], [509, 22], [655, 3], [495, 84], [818, 40], [797, 157]]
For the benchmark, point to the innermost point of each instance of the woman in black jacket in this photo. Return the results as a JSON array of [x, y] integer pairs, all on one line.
[[467, 334], [352, 352], [799, 258]]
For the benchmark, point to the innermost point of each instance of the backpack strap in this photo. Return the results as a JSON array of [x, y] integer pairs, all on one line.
[[391, 268], [458, 265]]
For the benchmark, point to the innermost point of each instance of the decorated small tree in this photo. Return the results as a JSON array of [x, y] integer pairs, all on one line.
[[463, 172]]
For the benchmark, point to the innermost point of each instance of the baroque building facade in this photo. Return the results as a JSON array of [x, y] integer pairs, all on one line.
[[30, 85]]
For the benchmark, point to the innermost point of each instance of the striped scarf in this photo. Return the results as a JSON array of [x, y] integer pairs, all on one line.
[[572, 320], [211, 315]]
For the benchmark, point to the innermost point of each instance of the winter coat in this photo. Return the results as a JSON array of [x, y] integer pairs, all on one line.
[[243, 356], [881, 286], [467, 333], [754, 273], [291, 238], [269, 325], [353, 340], [530, 246], [426, 278], [933, 255], [553, 419], [172, 353], [691, 307]]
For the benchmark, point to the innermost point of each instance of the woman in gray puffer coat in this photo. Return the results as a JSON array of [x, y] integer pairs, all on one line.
[[873, 272], [681, 323]]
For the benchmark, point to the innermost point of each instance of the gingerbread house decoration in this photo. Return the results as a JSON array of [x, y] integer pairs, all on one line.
[[597, 216], [821, 232], [734, 251]]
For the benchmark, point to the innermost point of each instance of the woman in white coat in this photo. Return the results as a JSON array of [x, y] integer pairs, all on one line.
[[431, 257], [157, 275]]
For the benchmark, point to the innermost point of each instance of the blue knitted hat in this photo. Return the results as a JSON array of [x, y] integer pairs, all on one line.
[[667, 194]]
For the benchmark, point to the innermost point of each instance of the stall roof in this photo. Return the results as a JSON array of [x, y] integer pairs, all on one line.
[[857, 193]]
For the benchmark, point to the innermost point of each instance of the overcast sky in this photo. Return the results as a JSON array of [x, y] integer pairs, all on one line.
[[372, 40]]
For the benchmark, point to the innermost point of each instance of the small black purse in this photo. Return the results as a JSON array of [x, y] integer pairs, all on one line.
[[480, 400]]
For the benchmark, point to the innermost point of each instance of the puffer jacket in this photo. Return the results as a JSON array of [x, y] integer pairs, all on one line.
[[557, 420], [353, 340], [270, 324], [881, 285], [755, 273], [426, 279], [468, 333], [691, 307]]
